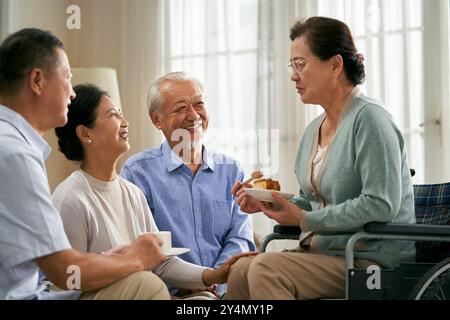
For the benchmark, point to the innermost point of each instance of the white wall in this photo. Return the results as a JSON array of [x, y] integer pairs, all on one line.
[[44, 14], [47, 15], [4, 20], [123, 35], [114, 33]]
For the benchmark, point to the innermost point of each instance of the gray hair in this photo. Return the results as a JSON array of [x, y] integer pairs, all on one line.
[[154, 96]]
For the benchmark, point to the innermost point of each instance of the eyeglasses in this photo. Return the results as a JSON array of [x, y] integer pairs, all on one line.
[[296, 65]]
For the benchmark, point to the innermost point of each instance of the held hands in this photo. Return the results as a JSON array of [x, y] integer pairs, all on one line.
[[147, 249], [220, 274]]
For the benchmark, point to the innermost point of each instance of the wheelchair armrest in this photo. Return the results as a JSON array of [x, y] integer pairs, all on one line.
[[407, 229], [291, 230], [280, 232]]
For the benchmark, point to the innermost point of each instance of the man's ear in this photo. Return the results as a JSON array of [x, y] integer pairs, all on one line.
[[83, 134], [36, 81], [155, 119]]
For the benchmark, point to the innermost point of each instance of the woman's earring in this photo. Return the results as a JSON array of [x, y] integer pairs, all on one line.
[[89, 141]]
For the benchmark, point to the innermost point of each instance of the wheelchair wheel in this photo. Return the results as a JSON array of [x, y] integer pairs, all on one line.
[[435, 284]]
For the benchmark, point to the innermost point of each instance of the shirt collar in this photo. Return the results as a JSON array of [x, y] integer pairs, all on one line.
[[173, 161], [16, 120]]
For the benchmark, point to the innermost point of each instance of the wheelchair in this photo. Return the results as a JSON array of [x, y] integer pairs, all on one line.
[[428, 278]]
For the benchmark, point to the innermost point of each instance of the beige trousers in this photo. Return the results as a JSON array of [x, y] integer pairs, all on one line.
[[288, 276], [142, 285]]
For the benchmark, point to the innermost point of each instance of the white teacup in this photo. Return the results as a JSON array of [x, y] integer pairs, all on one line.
[[166, 237]]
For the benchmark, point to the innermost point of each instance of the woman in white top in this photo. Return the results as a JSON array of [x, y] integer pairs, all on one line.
[[101, 210]]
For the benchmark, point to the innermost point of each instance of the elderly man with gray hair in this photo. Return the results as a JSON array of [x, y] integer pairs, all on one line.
[[187, 186]]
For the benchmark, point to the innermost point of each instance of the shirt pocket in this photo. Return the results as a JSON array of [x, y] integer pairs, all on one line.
[[222, 217]]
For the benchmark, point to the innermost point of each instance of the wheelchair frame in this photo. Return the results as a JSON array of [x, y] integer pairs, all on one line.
[[391, 231], [416, 273]]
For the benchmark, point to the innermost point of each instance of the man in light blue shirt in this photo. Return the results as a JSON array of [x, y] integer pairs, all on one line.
[[35, 91], [188, 187]]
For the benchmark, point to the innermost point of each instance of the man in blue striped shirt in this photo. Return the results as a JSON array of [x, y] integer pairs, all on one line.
[[188, 187]]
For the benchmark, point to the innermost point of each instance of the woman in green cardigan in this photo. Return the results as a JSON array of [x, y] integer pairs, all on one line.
[[351, 167]]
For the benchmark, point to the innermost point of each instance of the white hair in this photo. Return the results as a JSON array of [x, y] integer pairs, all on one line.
[[154, 96]]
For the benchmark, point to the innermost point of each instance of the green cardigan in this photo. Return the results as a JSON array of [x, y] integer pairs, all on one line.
[[364, 177]]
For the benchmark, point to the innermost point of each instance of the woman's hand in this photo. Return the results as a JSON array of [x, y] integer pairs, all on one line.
[[246, 203], [288, 214], [220, 274]]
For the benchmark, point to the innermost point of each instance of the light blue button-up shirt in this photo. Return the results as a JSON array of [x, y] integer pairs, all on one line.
[[30, 227], [199, 210]]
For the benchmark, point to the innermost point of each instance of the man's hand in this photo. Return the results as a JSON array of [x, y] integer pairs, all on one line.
[[220, 274], [147, 248], [117, 250], [100, 270], [288, 214], [246, 203]]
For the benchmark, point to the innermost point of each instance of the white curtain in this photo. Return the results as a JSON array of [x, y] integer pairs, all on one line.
[[239, 50], [406, 46]]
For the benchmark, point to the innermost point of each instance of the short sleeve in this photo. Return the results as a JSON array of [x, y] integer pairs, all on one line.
[[30, 226]]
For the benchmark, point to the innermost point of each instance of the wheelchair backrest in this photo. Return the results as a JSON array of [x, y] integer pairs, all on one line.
[[432, 206]]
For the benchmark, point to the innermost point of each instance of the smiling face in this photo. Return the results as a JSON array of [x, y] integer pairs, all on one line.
[[182, 112], [57, 94], [109, 135], [311, 75]]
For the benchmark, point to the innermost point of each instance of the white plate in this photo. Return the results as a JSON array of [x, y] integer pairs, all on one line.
[[265, 195], [177, 251]]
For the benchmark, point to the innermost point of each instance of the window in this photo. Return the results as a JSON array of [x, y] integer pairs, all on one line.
[[216, 41], [400, 43]]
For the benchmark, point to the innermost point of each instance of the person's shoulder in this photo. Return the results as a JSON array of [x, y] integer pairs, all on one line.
[[367, 109], [372, 111], [13, 145], [129, 185], [70, 191], [134, 191], [144, 156]]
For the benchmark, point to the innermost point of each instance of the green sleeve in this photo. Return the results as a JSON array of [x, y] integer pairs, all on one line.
[[301, 201], [377, 145]]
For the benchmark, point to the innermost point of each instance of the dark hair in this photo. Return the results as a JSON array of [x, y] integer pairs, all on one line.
[[21, 52], [327, 37], [82, 110]]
